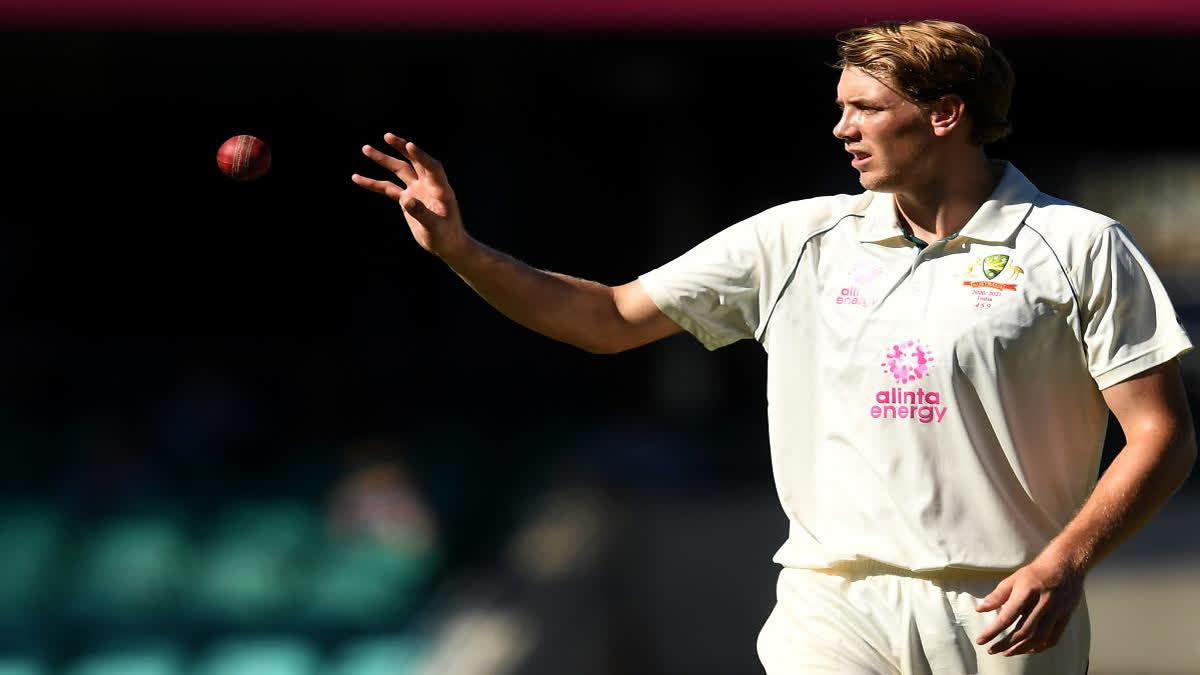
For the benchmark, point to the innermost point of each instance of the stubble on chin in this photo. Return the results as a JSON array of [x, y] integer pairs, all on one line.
[[882, 179], [874, 182]]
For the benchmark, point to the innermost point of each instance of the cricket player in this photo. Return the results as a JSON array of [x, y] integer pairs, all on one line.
[[943, 352]]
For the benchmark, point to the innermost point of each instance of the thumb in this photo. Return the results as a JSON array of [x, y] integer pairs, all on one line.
[[415, 208], [997, 597]]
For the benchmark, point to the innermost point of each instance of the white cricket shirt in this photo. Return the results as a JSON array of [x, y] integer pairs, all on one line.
[[936, 407]]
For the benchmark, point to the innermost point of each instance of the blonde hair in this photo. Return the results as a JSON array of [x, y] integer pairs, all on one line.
[[929, 59]]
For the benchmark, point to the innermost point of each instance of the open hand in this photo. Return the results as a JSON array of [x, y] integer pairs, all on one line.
[[1039, 599], [423, 192]]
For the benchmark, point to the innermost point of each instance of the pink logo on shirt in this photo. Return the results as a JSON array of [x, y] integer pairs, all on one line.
[[860, 275], [907, 362], [858, 290]]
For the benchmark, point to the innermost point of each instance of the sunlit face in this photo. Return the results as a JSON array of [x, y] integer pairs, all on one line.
[[889, 136]]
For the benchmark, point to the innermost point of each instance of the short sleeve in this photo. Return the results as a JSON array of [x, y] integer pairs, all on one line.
[[714, 291], [1129, 322]]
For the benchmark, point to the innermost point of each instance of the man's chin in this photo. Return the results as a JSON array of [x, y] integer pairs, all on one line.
[[874, 182], [869, 182]]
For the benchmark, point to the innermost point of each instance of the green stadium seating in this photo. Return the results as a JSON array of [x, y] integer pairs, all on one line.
[[131, 568], [281, 526], [140, 660], [259, 656], [379, 656], [240, 583], [247, 568], [365, 580], [21, 666], [30, 535]]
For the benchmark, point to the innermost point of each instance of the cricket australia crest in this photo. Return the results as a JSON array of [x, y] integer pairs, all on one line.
[[997, 271], [990, 277], [994, 265]]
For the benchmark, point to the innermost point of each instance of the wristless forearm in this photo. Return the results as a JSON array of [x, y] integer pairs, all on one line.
[[576, 311]]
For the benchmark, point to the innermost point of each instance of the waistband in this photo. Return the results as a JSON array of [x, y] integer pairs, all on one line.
[[865, 567]]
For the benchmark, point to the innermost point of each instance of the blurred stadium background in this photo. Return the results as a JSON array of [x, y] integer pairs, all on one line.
[[251, 428]]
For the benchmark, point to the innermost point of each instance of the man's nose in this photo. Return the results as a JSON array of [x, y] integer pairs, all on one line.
[[844, 129]]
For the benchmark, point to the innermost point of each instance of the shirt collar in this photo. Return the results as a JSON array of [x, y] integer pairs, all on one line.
[[995, 221]]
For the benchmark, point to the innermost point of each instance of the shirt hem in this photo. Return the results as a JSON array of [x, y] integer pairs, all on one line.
[[1142, 362], [665, 303]]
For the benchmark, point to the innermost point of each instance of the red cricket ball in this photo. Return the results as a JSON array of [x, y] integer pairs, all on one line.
[[244, 157]]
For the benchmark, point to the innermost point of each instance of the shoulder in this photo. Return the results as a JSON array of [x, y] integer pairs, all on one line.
[[1068, 228], [1061, 219], [805, 218]]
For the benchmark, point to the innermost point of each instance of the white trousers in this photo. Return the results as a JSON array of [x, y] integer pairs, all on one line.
[[870, 619]]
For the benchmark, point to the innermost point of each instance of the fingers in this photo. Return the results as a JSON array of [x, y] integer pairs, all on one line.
[[1032, 640], [383, 187], [1026, 632], [397, 143], [1048, 631], [1006, 641], [424, 164], [992, 601], [1055, 633], [401, 168], [401, 146], [411, 205], [415, 208], [425, 192], [1006, 617], [1043, 640], [1037, 602], [995, 599], [1037, 629]]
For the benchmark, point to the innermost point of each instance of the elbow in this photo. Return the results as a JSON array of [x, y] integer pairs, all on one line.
[[1187, 448], [612, 340], [601, 347], [1185, 441], [1181, 454], [612, 335]]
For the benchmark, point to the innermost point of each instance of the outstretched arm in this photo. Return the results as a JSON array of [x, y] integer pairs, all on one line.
[[1160, 449], [587, 314]]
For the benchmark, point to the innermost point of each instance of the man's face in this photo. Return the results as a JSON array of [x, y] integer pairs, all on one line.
[[888, 135]]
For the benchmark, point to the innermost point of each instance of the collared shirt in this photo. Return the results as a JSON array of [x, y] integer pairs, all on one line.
[[929, 407]]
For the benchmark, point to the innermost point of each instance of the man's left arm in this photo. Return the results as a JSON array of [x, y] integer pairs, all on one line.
[[1159, 451]]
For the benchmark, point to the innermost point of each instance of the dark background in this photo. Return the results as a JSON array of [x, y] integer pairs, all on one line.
[[130, 264], [170, 335]]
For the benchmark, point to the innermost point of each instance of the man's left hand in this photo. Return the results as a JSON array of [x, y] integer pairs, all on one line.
[[1037, 600]]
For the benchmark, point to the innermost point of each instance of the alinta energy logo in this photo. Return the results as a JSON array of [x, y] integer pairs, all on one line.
[[908, 363], [860, 290]]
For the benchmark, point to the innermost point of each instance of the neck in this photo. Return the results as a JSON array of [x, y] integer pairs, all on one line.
[[941, 207]]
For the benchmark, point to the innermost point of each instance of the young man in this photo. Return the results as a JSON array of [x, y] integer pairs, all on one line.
[[944, 350]]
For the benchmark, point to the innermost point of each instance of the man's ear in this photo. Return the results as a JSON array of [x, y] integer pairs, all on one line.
[[947, 114]]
